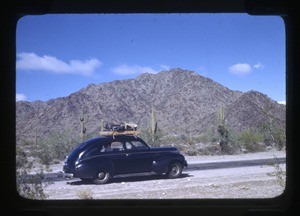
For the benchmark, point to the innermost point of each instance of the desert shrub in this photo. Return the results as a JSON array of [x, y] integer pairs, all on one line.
[[56, 146], [147, 136], [29, 186], [204, 137], [190, 151], [208, 148], [199, 148], [251, 141], [279, 173], [85, 194], [210, 135], [279, 138], [273, 135], [207, 137]]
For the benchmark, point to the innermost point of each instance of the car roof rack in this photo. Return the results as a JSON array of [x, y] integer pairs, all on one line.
[[114, 133]]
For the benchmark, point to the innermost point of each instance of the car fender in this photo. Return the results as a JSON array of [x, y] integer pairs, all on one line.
[[161, 164], [90, 168]]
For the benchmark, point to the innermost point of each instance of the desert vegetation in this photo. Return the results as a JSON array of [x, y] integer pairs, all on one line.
[[29, 185], [33, 156], [278, 172], [221, 139]]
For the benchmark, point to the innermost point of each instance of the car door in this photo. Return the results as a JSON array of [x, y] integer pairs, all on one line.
[[138, 157], [114, 151]]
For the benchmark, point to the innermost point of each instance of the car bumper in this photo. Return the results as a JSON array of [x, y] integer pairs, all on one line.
[[185, 163], [68, 175]]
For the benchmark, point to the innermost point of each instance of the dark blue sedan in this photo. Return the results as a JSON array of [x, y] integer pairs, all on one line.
[[100, 159]]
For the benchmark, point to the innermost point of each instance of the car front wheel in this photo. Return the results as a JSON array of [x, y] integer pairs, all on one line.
[[102, 177], [174, 170]]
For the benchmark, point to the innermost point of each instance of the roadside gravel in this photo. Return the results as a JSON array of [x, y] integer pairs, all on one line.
[[251, 182]]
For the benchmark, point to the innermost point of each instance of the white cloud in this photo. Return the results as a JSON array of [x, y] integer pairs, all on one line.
[[240, 69], [165, 67], [146, 70], [31, 61], [20, 97], [124, 70], [136, 69], [259, 66], [282, 102]]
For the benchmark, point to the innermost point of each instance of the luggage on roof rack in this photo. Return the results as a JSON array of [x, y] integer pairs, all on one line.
[[119, 129]]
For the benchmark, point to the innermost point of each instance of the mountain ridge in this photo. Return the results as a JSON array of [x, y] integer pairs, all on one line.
[[184, 101]]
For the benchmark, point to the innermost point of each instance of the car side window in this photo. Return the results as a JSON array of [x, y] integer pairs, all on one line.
[[106, 148], [116, 146], [129, 145], [92, 152], [135, 145]]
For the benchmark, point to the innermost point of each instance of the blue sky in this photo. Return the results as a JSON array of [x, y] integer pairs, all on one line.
[[61, 54]]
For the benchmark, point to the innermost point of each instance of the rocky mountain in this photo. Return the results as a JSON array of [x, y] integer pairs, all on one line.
[[184, 101]]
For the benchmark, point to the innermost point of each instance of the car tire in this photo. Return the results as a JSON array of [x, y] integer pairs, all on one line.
[[174, 170], [102, 177]]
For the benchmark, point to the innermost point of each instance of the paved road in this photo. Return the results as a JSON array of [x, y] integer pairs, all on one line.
[[235, 163]]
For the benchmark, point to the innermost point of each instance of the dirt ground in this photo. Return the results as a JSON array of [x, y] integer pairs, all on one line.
[[239, 182]]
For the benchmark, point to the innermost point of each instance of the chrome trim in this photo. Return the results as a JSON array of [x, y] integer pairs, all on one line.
[[67, 175]]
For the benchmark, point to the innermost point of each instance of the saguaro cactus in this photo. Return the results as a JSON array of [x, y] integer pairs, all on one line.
[[223, 132], [35, 138], [102, 125], [221, 118], [153, 126], [190, 139], [82, 127]]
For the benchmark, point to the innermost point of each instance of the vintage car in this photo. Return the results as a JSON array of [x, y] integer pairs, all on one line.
[[101, 158]]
